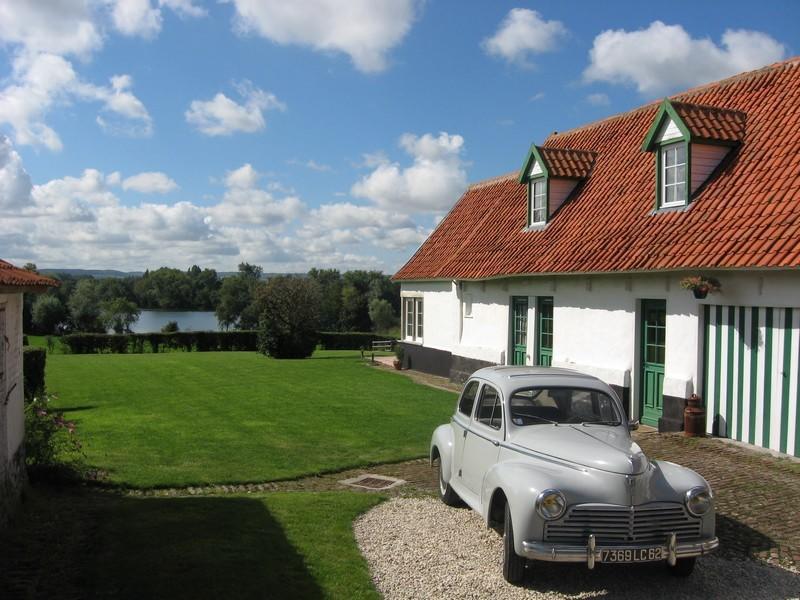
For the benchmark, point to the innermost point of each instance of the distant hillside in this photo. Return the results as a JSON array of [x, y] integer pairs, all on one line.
[[96, 273], [111, 273]]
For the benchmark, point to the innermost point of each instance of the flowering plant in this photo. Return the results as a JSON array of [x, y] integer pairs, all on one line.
[[701, 284], [50, 439]]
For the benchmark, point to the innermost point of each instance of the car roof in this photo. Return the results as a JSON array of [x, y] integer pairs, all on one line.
[[515, 377]]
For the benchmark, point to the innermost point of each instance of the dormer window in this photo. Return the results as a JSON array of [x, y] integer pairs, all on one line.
[[690, 142], [673, 175], [538, 201], [551, 175]]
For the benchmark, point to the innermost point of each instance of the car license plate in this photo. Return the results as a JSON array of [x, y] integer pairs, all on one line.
[[632, 555]]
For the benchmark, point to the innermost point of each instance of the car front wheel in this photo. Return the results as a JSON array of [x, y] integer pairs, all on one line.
[[446, 493], [513, 563]]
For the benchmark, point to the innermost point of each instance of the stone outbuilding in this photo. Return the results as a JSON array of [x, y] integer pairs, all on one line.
[[14, 282]]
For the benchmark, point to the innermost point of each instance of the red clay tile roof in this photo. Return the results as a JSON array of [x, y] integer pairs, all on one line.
[[746, 216], [710, 123], [12, 276], [564, 162]]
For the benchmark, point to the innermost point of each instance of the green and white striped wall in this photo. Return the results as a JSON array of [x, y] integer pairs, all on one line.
[[752, 358]]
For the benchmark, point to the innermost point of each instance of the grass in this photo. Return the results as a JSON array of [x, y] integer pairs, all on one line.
[[78, 543], [180, 419]]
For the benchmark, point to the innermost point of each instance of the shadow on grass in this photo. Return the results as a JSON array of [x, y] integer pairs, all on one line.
[[66, 409], [88, 544]]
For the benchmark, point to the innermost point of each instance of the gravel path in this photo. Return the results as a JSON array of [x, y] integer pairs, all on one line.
[[420, 548]]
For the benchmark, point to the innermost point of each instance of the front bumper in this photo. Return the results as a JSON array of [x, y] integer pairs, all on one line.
[[591, 552]]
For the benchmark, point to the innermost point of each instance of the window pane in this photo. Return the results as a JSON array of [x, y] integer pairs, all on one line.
[[680, 173], [489, 405], [680, 192], [669, 175], [669, 194], [409, 317], [418, 304], [468, 398], [538, 215], [669, 157], [680, 151]]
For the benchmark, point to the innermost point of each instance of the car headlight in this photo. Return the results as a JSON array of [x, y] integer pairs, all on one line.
[[551, 504], [698, 501]]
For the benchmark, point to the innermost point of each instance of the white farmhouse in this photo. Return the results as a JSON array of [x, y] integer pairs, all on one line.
[[13, 283], [577, 260]]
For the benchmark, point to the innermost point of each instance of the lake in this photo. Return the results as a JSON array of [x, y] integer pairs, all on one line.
[[188, 320]]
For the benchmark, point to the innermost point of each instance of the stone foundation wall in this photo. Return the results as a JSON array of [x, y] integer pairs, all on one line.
[[12, 480]]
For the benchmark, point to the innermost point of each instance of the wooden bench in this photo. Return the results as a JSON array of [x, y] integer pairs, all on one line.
[[382, 345]]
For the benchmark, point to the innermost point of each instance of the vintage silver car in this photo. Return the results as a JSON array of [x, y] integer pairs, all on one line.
[[545, 456]]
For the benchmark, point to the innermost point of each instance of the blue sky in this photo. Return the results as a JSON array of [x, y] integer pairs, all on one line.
[[328, 133]]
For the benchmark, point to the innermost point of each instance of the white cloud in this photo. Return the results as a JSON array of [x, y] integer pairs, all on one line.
[[311, 164], [184, 8], [15, 184], [598, 99], [136, 18], [150, 182], [62, 27], [522, 33], [536, 97], [223, 116], [365, 30], [664, 58], [244, 177], [40, 82], [432, 183]]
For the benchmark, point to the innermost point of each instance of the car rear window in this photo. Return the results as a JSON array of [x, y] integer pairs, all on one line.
[[534, 406]]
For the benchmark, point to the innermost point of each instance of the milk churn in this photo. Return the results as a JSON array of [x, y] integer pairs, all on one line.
[[694, 417]]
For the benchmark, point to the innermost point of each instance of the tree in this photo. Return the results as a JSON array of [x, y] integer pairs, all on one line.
[[84, 306], [290, 318], [330, 283], [48, 313], [381, 314], [237, 296], [118, 314]]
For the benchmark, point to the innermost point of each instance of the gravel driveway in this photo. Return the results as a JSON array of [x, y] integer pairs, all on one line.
[[420, 548]]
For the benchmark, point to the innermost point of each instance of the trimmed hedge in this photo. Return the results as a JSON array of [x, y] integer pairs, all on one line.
[[139, 343], [348, 340], [33, 363]]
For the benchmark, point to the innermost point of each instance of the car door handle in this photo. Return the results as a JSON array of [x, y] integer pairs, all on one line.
[[495, 442]]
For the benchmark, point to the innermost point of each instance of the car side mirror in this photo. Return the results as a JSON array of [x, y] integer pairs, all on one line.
[[633, 424]]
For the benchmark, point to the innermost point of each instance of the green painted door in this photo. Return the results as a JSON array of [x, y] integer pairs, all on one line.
[[544, 331], [654, 329], [519, 329]]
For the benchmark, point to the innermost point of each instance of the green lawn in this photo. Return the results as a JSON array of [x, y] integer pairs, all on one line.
[[181, 419], [80, 543]]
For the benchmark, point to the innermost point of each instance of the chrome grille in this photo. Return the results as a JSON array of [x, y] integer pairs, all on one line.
[[612, 524]]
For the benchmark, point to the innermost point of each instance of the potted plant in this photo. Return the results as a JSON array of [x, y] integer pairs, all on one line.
[[399, 355], [701, 285]]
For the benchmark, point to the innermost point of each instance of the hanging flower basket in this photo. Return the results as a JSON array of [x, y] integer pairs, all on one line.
[[701, 286]]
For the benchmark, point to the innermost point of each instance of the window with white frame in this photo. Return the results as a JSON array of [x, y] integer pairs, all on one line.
[[538, 201], [468, 305], [673, 175], [412, 312]]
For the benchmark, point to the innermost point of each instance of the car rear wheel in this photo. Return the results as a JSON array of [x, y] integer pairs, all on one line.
[[513, 563], [683, 567], [446, 493]]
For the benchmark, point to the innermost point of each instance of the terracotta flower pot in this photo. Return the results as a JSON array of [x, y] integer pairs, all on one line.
[[398, 364]]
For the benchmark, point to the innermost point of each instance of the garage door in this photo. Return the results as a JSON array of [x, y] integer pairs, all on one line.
[[751, 375]]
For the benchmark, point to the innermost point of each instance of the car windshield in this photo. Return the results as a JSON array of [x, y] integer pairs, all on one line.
[[562, 405]]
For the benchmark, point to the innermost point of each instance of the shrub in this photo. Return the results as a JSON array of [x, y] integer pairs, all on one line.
[[50, 440], [290, 317], [48, 313], [170, 327], [348, 340], [202, 341], [33, 363]]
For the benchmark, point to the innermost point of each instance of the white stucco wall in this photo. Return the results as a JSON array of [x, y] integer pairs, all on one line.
[[12, 426], [596, 319]]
